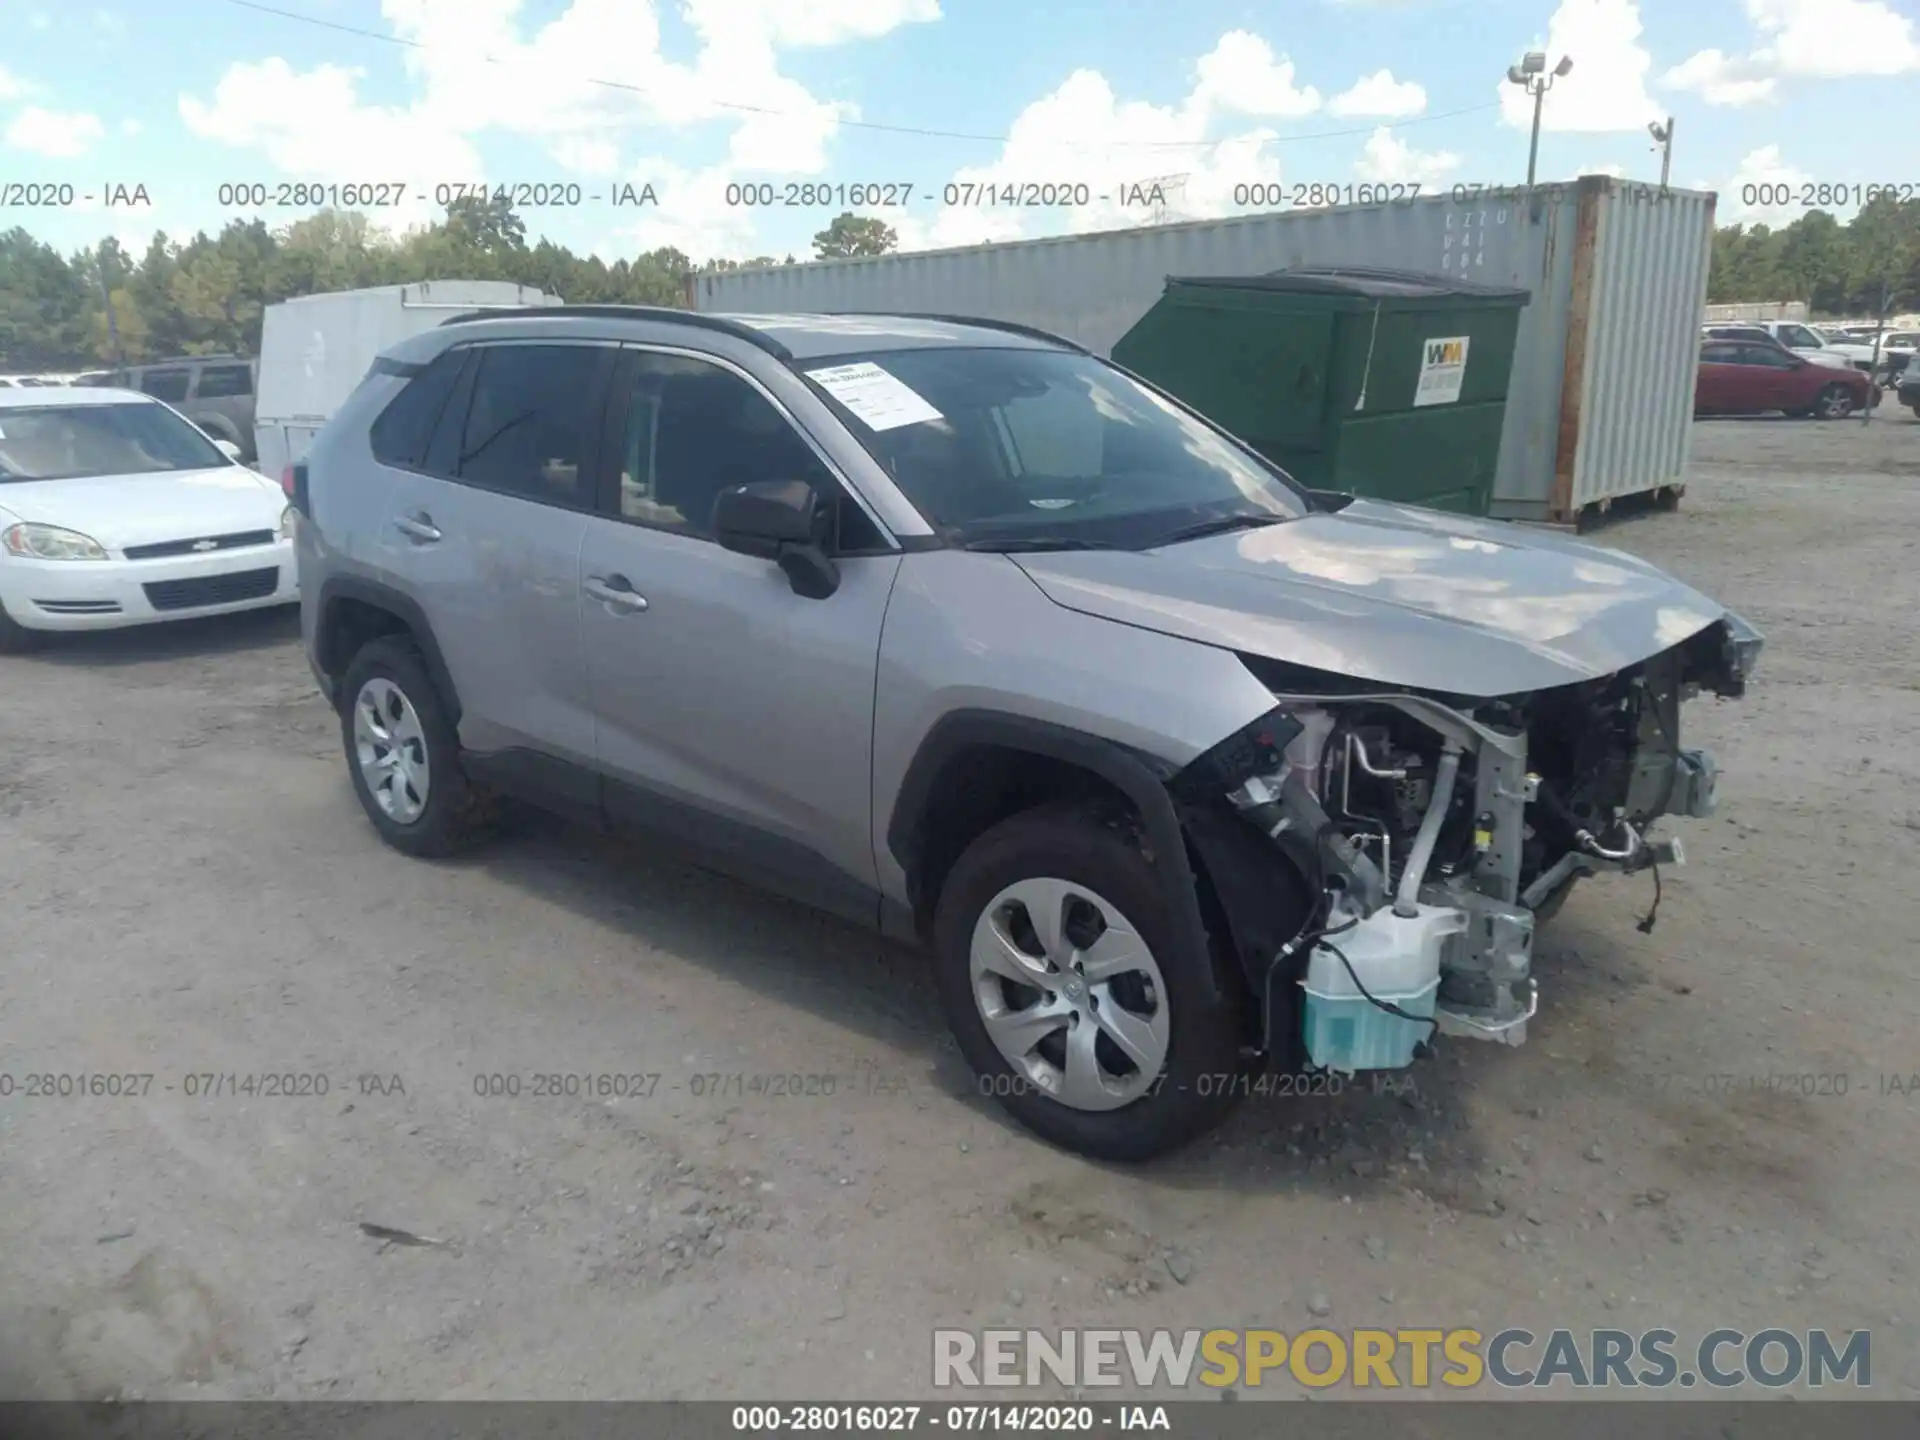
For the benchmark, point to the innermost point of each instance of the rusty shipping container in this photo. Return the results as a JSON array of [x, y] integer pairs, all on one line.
[[1601, 401]]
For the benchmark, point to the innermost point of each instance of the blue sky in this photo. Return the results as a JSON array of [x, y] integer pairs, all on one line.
[[699, 95]]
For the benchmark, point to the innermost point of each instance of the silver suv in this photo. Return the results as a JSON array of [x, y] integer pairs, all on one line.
[[1183, 774]]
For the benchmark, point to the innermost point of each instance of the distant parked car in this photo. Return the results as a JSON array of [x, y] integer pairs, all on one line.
[[1910, 389], [1811, 340], [214, 391], [115, 510], [1897, 349], [1744, 377], [1755, 335]]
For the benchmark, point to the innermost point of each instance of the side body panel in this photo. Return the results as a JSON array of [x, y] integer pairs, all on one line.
[[970, 632]]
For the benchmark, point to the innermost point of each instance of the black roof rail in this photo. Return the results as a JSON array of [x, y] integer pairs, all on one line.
[[980, 322], [665, 313]]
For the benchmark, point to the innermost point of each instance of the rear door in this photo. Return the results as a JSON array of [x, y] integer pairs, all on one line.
[[729, 711], [486, 533], [1715, 388]]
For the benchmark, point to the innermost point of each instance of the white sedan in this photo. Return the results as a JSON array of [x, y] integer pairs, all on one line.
[[116, 510]]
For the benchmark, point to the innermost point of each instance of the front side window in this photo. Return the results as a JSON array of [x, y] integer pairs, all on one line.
[[72, 442], [167, 385], [694, 429], [531, 420], [1011, 445], [1799, 335]]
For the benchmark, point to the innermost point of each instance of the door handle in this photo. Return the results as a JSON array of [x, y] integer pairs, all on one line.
[[615, 590], [418, 527]]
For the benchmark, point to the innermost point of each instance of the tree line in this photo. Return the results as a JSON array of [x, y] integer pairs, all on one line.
[[205, 295]]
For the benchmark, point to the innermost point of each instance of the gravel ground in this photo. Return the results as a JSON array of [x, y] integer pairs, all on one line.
[[191, 890]]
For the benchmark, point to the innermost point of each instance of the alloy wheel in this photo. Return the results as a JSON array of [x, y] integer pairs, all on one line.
[[1070, 994], [391, 748]]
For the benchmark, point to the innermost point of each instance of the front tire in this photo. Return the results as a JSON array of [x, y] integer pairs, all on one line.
[[1058, 961], [404, 755]]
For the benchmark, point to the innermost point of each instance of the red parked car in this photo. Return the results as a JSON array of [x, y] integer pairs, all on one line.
[[1746, 377]]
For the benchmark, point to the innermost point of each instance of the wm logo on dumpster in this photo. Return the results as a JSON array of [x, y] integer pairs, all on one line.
[[1446, 352]]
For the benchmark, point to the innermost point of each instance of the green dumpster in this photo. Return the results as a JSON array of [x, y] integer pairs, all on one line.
[[1381, 383]]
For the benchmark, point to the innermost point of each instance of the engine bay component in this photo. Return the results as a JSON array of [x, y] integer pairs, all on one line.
[[1434, 835], [1370, 991]]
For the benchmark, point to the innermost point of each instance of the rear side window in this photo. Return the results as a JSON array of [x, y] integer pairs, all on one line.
[[400, 433], [167, 385], [534, 415], [218, 382], [1721, 353]]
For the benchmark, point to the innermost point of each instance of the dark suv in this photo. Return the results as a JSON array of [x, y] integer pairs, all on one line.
[[216, 392]]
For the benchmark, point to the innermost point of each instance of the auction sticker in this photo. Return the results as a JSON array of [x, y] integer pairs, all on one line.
[[875, 396], [1443, 366]]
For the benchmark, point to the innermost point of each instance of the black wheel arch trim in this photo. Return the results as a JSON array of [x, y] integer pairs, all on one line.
[[403, 608], [1142, 778]]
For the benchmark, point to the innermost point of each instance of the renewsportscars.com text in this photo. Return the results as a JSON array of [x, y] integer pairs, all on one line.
[[1374, 1359]]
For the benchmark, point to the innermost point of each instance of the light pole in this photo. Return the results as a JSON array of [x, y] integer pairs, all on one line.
[[1532, 76], [1663, 137]]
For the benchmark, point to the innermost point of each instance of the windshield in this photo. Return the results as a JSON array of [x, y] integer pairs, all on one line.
[[72, 442], [1034, 445]]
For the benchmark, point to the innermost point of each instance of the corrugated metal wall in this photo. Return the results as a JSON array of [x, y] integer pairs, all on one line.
[[1648, 276], [1093, 288]]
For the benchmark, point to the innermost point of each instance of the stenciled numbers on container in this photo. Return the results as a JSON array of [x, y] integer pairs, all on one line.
[[1464, 246]]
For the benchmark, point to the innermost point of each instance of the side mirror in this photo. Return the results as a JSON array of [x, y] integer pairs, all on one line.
[[785, 521], [228, 449]]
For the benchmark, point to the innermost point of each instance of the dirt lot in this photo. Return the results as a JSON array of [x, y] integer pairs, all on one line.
[[191, 890]]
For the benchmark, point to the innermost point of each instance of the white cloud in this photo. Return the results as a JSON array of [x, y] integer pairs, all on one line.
[[813, 22], [1719, 79], [1122, 151], [1140, 163], [1380, 94], [1612, 167], [1242, 75], [1810, 39], [1389, 160], [129, 127], [12, 87], [1607, 89], [310, 125], [57, 134], [476, 70], [1829, 39], [1763, 175]]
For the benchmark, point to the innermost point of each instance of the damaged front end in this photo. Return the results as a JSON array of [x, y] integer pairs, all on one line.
[[1381, 858]]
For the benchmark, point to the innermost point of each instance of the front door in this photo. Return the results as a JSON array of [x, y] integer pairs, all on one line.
[[730, 712]]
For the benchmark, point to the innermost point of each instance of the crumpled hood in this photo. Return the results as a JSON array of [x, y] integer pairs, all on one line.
[[1403, 597], [123, 510]]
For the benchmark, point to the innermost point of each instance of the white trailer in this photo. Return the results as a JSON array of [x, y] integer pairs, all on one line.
[[316, 349]]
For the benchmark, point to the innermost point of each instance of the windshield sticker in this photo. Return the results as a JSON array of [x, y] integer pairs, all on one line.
[[875, 396], [1443, 366]]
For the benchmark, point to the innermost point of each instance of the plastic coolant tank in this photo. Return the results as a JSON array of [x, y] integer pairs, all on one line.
[[1397, 958]]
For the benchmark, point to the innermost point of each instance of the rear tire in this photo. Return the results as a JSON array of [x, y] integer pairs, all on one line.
[[15, 638], [1833, 403], [421, 801], [1084, 868]]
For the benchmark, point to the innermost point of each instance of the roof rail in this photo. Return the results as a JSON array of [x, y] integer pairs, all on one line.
[[982, 323], [664, 313]]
